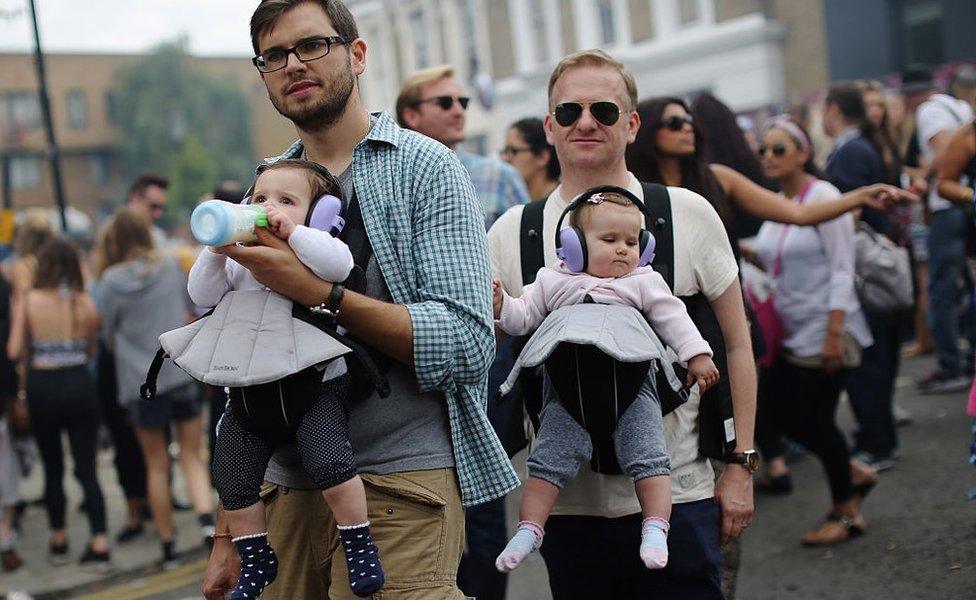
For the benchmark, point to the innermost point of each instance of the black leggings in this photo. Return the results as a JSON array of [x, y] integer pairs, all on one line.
[[64, 400], [802, 404], [241, 456], [130, 466]]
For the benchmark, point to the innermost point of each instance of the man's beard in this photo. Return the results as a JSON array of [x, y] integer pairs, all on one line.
[[325, 112]]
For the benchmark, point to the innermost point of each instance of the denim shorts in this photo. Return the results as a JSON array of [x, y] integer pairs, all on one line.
[[180, 404]]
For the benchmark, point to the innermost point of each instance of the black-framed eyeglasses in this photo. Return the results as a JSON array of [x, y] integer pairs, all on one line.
[[512, 151], [275, 59], [677, 123], [778, 150], [446, 102], [604, 111]]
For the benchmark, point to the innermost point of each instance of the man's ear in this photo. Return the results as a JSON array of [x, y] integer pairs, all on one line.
[[633, 126], [547, 127], [411, 117], [357, 56]]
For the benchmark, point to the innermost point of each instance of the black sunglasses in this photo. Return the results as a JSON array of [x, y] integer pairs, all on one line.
[[275, 59], [676, 123], [777, 149], [567, 113], [446, 102]]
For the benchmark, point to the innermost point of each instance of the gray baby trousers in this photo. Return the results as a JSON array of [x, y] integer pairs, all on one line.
[[562, 445]]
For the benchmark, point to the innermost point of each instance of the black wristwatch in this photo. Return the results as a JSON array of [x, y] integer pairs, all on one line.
[[330, 308], [748, 459]]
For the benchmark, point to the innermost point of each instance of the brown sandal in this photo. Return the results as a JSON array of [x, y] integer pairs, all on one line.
[[834, 530]]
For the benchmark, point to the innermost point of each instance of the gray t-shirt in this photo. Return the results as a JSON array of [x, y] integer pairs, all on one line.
[[407, 431]]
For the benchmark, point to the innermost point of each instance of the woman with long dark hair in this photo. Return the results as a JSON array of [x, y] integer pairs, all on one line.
[[812, 269], [527, 149], [53, 335], [671, 150]]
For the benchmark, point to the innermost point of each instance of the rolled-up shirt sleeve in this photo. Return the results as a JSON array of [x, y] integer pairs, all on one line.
[[453, 339], [838, 241]]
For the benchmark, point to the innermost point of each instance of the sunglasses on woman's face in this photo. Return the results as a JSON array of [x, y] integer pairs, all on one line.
[[677, 123], [778, 150], [605, 112]]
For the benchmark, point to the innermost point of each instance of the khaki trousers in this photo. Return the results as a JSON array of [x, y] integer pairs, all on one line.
[[417, 523]]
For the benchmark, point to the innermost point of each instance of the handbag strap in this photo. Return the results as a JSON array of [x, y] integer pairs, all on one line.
[[800, 198]]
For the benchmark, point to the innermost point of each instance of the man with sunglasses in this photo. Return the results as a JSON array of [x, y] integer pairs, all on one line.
[[431, 102], [591, 539], [147, 196], [426, 451]]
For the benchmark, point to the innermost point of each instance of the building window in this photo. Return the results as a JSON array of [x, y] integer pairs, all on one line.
[[688, 12], [922, 28], [421, 38], [608, 25], [25, 172], [77, 111], [21, 112], [537, 15], [112, 106], [99, 169]]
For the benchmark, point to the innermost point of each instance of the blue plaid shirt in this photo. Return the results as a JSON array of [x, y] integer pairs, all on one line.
[[498, 184], [426, 228]]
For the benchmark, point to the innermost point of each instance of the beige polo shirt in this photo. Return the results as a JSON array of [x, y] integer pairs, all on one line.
[[703, 262]]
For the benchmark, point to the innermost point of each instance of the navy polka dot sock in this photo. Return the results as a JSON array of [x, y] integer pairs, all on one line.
[[259, 566], [362, 558]]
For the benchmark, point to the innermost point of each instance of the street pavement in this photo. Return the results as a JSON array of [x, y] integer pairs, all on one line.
[[920, 544]]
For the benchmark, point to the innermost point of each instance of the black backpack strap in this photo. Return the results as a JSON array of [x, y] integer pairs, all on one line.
[[531, 248], [658, 204], [147, 391]]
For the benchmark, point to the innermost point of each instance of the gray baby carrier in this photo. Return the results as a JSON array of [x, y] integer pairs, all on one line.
[[270, 353]]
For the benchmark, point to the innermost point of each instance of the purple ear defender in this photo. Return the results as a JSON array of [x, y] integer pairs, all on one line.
[[570, 250], [647, 256], [325, 215]]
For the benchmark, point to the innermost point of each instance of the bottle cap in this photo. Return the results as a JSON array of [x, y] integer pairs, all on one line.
[[261, 218]]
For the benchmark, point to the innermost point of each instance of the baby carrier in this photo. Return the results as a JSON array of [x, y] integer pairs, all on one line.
[[583, 347], [269, 352]]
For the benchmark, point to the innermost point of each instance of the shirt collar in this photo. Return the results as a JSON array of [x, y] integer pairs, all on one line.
[[847, 135], [384, 131]]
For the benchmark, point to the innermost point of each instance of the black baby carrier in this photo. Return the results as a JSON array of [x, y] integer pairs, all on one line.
[[579, 369]]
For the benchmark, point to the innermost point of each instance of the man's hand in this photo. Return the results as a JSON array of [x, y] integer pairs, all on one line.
[[832, 353], [273, 263], [733, 493], [223, 570]]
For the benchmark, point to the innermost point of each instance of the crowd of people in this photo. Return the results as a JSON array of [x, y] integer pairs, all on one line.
[[747, 257]]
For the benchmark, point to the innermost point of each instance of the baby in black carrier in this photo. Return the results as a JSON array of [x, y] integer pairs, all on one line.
[[311, 402]]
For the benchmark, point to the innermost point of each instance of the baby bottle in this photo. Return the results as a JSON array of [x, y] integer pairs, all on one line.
[[218, 223]]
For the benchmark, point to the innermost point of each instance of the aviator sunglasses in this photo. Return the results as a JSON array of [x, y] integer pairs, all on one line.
[[446, 102], [778, 150], [605, 112]]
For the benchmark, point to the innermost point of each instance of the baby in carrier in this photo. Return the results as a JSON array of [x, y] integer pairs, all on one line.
[[288, 190], [608, 268]]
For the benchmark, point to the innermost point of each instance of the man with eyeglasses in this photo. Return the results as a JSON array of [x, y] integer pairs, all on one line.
[[431, 102], [592, 538], [147, 196], [426, 451]]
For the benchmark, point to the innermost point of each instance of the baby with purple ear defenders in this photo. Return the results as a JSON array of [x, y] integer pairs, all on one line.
[[303, 206], [605, 256]]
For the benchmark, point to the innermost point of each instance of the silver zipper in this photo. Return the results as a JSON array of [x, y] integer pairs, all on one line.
[[247, 411]]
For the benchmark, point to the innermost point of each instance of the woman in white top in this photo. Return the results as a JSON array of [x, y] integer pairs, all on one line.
[[815, 299]]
